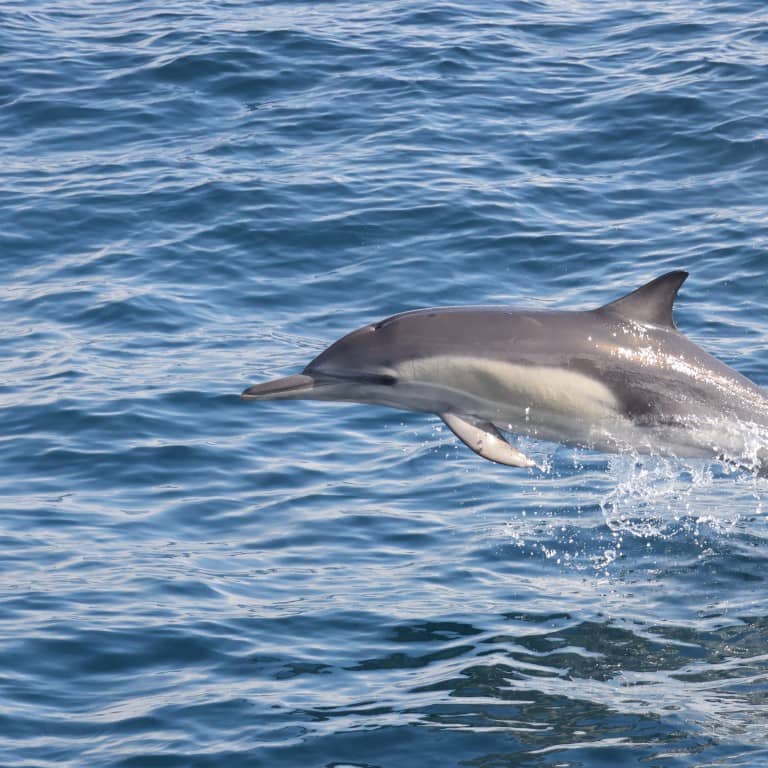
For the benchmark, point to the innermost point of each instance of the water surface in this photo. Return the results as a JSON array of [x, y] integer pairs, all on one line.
[[198, 196]]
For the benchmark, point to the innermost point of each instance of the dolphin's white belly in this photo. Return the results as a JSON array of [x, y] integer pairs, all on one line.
[[543, 402], [554, 404]]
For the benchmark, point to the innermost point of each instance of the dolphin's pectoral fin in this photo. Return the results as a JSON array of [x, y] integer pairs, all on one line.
[[486, 441]]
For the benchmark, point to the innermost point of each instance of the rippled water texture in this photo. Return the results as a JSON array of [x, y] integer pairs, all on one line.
[[198, 196]]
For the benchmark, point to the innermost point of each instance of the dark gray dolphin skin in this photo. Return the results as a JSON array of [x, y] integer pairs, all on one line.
[[617, 378]]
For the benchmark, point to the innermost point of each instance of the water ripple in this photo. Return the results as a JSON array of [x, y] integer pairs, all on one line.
[[197, 197]]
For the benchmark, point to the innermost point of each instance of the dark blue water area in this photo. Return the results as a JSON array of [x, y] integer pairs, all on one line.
[[195, 197]]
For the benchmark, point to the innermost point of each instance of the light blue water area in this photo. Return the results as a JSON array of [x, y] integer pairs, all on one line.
[[198, 196]]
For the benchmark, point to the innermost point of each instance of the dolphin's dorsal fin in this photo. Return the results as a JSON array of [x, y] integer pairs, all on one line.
[[652, 303]]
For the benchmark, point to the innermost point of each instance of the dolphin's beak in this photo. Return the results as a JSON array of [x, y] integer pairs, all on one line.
[[319, 385], [285, 388]]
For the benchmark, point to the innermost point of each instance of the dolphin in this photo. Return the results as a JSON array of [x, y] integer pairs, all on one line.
[[617, 378]]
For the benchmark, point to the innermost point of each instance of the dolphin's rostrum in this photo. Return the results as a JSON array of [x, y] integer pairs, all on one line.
[[620, 377]]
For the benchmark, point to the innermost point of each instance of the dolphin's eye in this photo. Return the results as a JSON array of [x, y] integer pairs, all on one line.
[[381, 379], [359, 377]]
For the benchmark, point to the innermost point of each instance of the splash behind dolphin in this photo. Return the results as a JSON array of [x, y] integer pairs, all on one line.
[[620, 377]]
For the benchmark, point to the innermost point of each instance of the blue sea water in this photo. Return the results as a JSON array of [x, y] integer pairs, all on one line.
[[198, 196]]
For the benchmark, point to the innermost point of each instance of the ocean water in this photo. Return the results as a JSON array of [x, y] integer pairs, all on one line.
[[199, 196]]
